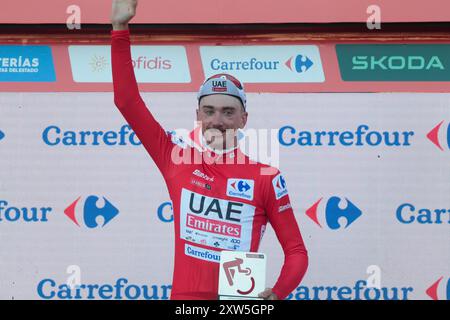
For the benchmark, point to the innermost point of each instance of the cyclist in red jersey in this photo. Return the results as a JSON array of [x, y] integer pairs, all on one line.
[[218, 203]]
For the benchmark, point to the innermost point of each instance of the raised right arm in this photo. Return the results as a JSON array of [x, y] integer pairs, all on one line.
[[126, 93]]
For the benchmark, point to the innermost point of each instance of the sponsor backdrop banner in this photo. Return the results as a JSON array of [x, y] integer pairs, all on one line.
[[93, 64], [394, 62], [248, 63], [26, 64], [285, 66], [368, 176]]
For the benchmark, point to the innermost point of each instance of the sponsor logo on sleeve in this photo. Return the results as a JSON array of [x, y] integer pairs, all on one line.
[[284, 207], [279, 186]]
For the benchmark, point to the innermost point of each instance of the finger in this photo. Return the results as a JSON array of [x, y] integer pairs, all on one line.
[[273, 296], [266, 293]]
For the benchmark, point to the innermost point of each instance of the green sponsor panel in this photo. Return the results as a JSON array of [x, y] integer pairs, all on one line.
[[394, 62]]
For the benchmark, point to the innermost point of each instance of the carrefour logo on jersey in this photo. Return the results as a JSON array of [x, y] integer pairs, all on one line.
[[200, 253], [240, 188], [90, 210], [334, 213], [279, 186], [362, 136], [260, 64], [152, 64], [54, 135]]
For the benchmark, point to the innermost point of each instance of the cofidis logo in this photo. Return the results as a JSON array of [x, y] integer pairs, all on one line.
[[90, 210], [333, 211], [152, 64], [26, 64]]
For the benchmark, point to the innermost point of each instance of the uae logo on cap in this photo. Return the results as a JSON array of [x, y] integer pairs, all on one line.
[[219, 86]]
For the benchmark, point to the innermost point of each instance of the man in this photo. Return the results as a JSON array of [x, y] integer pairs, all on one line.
[[218, 204]]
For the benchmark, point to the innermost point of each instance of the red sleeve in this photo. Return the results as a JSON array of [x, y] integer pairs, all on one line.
[[282, 219], [129, 102]]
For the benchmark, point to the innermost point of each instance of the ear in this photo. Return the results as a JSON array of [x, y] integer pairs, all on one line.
[[244, 119], [196, 112]]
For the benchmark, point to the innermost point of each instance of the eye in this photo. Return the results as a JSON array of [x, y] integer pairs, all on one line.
[[229, 112], [208, 112]]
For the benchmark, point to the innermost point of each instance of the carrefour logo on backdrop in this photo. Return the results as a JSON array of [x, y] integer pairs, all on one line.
[[120, 289], [16, 213], [440, 135], [363, 135], [165, 212], [265, 64], [407, 213], [299, 63], [439, 289], [91, 212], [2, 135], [54, 135], [335, 211], [358, 291]]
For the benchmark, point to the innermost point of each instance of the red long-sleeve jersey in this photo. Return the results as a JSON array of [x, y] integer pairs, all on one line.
[[218, 204]]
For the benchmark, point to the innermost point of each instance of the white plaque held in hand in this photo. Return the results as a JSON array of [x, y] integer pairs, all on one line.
[[242, 275]]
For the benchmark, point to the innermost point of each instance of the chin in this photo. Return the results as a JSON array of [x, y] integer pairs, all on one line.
[[219, 141], [216, 144], [215, 147]]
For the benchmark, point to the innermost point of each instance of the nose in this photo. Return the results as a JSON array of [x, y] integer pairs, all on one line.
[[217, 121]]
